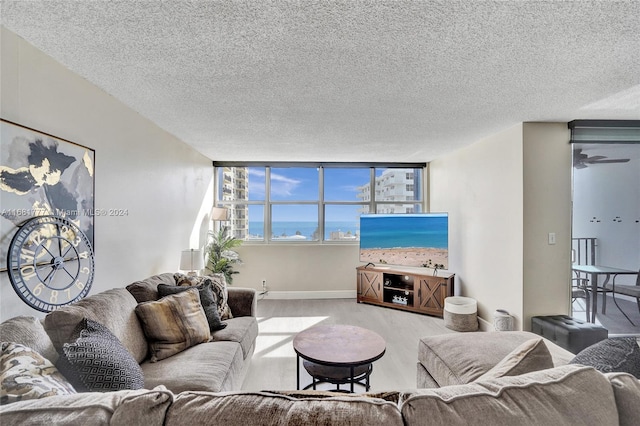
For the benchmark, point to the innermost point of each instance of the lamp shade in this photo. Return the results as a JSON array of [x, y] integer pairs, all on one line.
[[191, 260], [220, 213]]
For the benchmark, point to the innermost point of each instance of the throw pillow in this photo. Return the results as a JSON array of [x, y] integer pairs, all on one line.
[[25, 374], [96, 361], [173, 323], [220, 290], [188, 281], [207, 300], [616, 354], [219, 287], [532, 355]]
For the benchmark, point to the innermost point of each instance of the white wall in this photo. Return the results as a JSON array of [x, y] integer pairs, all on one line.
[[547, 209], [481, 188], [504, 194], [164, 184], [300, 271]]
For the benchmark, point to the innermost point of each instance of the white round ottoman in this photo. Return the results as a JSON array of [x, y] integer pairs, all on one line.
[[461, 313]]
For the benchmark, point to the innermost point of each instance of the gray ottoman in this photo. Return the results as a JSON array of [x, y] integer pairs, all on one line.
[[572, 334]]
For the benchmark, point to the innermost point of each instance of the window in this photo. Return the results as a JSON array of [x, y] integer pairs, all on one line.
[[313, 202]]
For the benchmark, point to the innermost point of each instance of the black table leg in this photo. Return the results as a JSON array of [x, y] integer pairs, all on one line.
[[352, 374], [297, 372]]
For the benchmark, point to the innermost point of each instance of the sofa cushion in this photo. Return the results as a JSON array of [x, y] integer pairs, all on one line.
[[173, 323], [25, 374], [97, 361], [113, 308], [459, 358], [207, 300], [129, 407], [616, 354], [626, 390], [532, 355], [563, 395], [212, 366], [248, 408], [147, 290], [28, 331], [218, 285], [243, 330]]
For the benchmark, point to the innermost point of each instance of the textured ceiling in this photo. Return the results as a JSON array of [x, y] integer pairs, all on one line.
[[345, 80]]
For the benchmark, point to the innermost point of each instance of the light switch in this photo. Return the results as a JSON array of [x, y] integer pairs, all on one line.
[[552, 238]]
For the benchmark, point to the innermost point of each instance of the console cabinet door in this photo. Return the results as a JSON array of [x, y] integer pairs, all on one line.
[[369, 286], [431, 294]]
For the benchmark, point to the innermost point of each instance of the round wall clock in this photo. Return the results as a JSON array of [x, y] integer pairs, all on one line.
[[50, 263]]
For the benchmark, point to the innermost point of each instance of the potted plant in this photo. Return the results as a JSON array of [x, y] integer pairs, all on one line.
[[220, 254]]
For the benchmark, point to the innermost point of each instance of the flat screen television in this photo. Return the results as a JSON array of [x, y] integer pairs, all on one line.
[[411, 239]]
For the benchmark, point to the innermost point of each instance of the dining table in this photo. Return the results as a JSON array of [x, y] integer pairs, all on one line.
[[595, 271]]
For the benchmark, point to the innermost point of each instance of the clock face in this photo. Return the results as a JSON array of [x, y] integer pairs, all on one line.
[[50, 263]]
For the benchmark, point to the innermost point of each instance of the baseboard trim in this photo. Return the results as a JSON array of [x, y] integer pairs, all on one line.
[[484, 325], [330, 294]]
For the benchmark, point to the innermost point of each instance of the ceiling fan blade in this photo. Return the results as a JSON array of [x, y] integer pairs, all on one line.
[[619, 160], [594, 158], [580, 166]]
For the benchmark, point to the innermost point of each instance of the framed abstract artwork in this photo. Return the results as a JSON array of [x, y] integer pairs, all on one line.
[[41, 174]]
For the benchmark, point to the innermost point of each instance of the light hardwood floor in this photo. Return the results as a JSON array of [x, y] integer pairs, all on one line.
[[273, 366]]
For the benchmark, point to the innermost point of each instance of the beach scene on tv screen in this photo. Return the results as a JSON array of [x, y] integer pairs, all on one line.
[[405, 239]]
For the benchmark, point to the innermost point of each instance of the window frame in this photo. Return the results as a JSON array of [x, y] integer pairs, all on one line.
[[267, 203]]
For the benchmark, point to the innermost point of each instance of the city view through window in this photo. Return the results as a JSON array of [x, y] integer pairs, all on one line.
[[309, 204]]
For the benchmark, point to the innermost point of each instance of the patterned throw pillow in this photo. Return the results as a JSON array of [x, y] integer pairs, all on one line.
[[188, 281], [616, 354], [218, 285], [207, 300], [173, 323], [25, 374], [96, 361]]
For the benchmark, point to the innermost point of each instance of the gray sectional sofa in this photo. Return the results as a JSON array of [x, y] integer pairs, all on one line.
[[218, 365], [201, 384]]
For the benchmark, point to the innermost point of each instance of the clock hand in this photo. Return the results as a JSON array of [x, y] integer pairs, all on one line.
[[49, 277], [59, 240]]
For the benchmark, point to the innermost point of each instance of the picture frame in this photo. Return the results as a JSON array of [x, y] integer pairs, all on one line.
[[42, 174]]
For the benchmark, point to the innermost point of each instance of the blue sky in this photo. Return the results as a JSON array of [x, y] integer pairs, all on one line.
[[301, 184]]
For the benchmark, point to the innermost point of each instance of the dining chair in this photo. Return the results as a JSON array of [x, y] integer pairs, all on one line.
[[627, 290], [580, 290]]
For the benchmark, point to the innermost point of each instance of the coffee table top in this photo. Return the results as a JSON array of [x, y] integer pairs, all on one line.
[[338, 345]]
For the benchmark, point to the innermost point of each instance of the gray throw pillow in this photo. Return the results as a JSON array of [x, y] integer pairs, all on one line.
[[207, 300], [616, 354], [96, 361]]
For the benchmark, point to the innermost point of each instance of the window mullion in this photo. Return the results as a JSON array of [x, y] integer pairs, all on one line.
[[372, 190], [267, 205], [321, 224]]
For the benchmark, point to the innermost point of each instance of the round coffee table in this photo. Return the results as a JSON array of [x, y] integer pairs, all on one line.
[[340, 346]]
